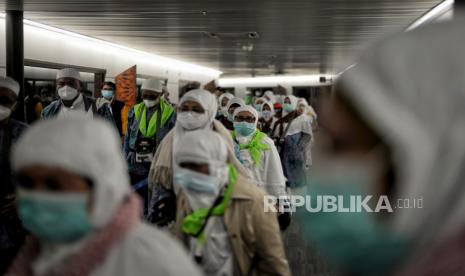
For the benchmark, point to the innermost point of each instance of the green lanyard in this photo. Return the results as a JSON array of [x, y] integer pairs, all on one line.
[[195, 223], [255, 147]]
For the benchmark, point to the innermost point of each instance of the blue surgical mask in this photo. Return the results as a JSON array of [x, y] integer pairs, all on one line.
[[197, 182], [54, 217], [288, 107], [108, 94], [244, 128], [259, 107], [355, 242]]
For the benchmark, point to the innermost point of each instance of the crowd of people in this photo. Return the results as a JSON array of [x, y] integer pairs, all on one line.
[[97, 188]]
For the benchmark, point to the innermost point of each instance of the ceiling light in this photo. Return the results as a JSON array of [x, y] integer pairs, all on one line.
[[131, 52], [432, 14], [272, 80]]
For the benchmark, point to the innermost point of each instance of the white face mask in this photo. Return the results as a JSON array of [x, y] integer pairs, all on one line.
[[67, 93], [192, 120], [5, 112], [267, 114], [150, 103]]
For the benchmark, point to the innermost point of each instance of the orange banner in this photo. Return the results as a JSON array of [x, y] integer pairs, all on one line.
[[126, 87]]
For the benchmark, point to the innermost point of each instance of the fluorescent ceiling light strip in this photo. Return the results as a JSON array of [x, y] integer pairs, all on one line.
[[432, 14], [271, 79], [159, 60]]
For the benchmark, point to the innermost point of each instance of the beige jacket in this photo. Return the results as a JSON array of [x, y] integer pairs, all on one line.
[[254, 235]]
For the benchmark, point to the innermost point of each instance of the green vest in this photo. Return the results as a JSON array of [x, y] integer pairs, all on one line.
[[140, 112]]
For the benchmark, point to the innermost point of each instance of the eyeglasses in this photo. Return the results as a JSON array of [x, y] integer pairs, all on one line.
[[247, 119]]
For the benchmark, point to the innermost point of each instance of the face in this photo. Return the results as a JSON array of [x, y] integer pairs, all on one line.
[[287, 100], [224, 102], [200, 168], [7, 98], [259, 102], [191, 106], [266, 108], [232, 108], [71, 82], [245, 116], [107, 87], [150, 95], [52, 179], [301, 109]]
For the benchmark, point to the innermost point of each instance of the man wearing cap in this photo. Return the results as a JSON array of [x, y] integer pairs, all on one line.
[[11, 231], [148, 123], [71, 99]]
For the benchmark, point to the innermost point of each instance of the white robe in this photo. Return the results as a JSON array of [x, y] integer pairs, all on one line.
[[269, 174]]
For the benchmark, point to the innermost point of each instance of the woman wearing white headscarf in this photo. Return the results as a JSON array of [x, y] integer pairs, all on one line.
[[407, 100], [269, 96], [257, 152], [221, 216], [258, 104], [223, 101], [232, 105], [196, 110], [293, 136], [74, 197], [267, 118]]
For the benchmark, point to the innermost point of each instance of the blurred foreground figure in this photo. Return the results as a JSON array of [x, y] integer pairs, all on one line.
[[77, 203], [11, 231], [220, 214], [397, 126], [72, 99]]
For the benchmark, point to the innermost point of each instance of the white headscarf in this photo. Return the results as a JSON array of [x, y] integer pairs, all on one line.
[[247, 108], [413, 97], [206, 99], [236, 100], [270, 96], [293, 99], [201, 146], [90, 148], [229, 96], [208, 102], [270, 104], [87, 147]]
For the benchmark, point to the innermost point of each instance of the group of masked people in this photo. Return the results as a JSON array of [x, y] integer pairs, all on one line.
[[71, 205], [68, 206]]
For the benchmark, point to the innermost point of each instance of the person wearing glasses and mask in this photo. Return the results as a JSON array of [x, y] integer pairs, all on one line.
[[259, 156], [148, 123], [196, 110], [11, 231], [221, 215], [116, 107], [71, 98]]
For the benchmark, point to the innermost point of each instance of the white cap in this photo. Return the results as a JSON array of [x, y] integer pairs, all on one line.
[[69, 73], [9, 83], [153, 85]]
